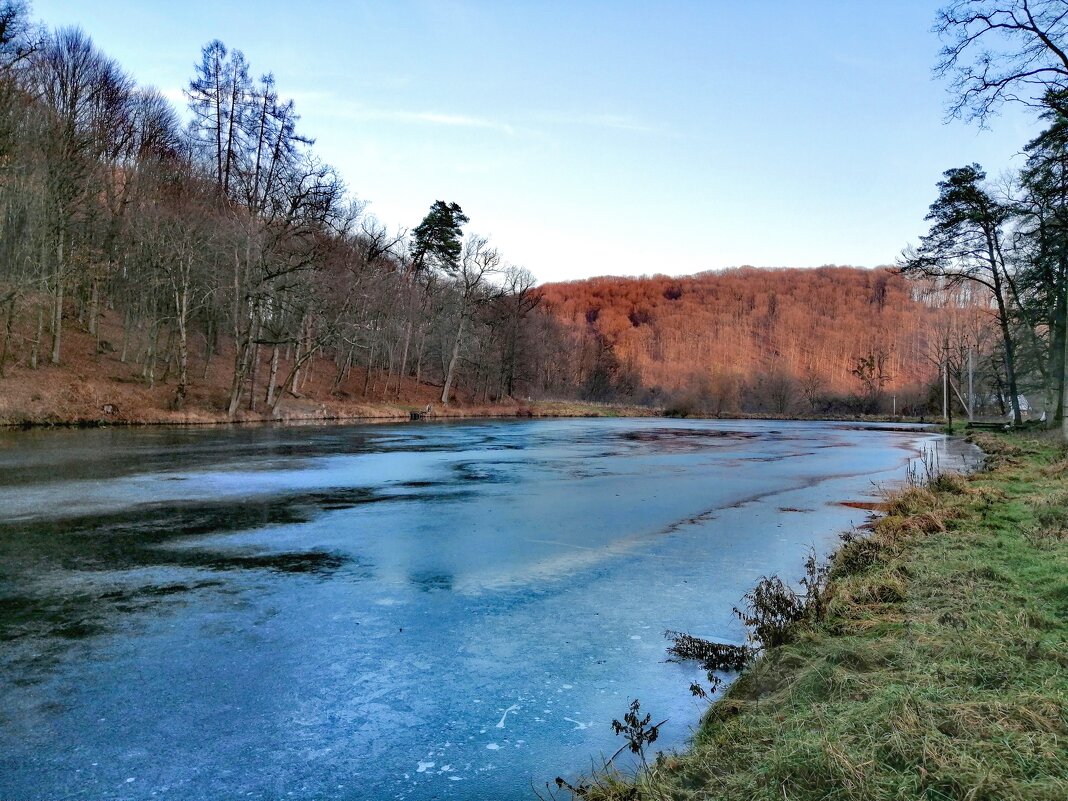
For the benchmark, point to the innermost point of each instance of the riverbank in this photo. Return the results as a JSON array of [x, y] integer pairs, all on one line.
[[308, 410], [938, 671], [100, 382]]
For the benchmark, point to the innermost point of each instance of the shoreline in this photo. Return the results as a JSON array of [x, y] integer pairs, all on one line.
[[400, 412]]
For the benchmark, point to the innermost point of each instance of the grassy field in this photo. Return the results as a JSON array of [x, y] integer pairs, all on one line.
[[938, 671]]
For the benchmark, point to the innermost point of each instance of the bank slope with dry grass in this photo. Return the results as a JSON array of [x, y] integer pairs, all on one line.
[[95, 386], [939, 669]]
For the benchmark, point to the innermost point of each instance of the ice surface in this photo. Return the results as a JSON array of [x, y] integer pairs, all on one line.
[[334, 611]]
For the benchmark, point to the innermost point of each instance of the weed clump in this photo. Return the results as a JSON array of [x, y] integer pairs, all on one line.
[[711, 655], [910, 501]]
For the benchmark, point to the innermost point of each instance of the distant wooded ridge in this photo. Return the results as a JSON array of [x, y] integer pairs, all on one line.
[[782, 340]]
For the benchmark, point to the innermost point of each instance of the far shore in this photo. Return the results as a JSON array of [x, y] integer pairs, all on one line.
[[313, 412]]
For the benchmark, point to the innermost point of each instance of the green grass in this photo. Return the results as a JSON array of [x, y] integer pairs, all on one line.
[[939, 672]]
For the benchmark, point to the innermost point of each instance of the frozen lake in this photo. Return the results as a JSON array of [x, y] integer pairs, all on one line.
[[422, 611]]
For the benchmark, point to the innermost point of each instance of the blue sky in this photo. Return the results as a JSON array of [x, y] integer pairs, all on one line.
[[594, 138]]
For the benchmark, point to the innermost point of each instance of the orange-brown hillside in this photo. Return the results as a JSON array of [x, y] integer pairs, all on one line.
[[752, 324]]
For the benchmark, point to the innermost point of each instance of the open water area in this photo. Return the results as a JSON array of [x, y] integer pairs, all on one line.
[[419, 611]]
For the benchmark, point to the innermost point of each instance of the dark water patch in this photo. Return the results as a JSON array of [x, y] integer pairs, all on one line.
[[157, 590], [430, 582], [659, 434], [93, 564], [128, 538], [484, 472], [80, 613], [311, 562], [683, 440]]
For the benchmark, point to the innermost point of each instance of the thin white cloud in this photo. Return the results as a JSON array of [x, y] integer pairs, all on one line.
[[437, 118], [357, 111], [616, 122], [329, 103]]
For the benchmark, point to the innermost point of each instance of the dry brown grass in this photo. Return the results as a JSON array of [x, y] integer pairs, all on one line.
[[91, 379]]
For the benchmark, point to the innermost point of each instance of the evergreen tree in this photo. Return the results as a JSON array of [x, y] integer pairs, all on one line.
[[965, 243], [438, 239]]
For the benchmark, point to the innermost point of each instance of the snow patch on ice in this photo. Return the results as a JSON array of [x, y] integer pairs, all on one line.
[[512, 708]]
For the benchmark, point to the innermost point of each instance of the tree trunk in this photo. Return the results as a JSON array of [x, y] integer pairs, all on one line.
[[57, 318], [298, 358], [38, 336], [419, 360], [1064, 382], [243, 349], [7, 332], [269, 400], [404, 356], [1057, 365], [182, 309], [254, 368], [1010, 351], [127, 324], [209, 344], [290, 380], [343, 370], [94, 305], [451, 372]]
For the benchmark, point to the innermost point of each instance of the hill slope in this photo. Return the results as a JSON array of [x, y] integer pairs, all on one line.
[[762, 339]]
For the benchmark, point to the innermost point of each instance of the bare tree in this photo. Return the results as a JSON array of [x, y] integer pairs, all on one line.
[[519, 298], [218, 97], [87, 96], [999, 51], [477, 263]]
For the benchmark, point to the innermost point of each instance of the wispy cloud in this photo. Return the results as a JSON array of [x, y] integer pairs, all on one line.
[[357, 111], [438, 118], [616, 122], [619, 123]]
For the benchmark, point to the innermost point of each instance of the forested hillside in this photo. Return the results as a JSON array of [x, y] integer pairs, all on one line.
[[773, 340], [211, 250]]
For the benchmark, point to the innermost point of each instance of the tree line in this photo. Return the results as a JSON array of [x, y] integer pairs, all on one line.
[[1006, 241], [226, 237], [830, 340]]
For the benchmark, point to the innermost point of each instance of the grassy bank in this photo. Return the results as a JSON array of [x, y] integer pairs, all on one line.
[[938, 671]]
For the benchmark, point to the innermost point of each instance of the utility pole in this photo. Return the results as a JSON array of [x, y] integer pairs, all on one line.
[[945, 390], [971, 386]]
